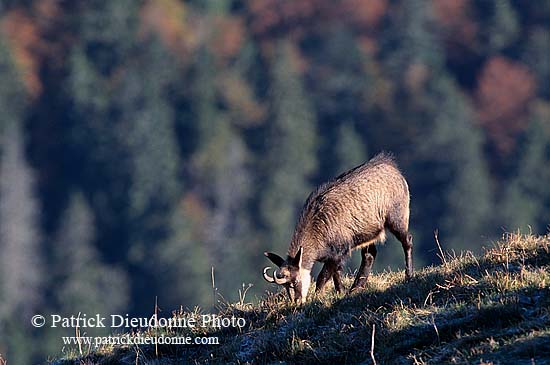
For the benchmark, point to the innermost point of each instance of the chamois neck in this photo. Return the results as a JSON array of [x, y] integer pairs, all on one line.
[[308, 255]]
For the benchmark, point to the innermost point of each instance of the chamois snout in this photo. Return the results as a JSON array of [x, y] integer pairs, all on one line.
[[288, 274]]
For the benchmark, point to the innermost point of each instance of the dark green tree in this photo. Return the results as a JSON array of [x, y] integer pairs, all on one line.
[[432, 129], [183, 262], [12, 98], [21, 262], [121, 84], [338, 86], [83, 280], [221, 178], [410, 39], [95, 129], [526, 201], [536, 54], [154, 221], [501, 22], [22, 258], [291, 146], [350, 147]]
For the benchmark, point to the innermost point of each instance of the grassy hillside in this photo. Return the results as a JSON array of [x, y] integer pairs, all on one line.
[[489, 309]]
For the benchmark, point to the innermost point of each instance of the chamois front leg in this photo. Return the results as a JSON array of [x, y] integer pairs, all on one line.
[[337, 278], [368, 255], [322, 278]]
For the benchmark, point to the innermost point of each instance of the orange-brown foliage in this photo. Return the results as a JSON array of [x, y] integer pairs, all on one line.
[[195, 211], [240, 100], [23, 38], [366, 14], [269, 17], [228, 36], [28, 34], [455, 18], [504, 91], [416, 76], [368, 44], [167, 18]]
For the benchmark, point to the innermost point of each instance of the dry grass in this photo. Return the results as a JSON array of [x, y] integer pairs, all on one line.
[[493, 309]]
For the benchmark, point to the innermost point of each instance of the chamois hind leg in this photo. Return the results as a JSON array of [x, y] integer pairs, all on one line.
[[398, 224], [407, 243], [368, 255], [403, 235]]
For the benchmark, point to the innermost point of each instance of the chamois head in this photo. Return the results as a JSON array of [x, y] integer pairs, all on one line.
[[288, 274]]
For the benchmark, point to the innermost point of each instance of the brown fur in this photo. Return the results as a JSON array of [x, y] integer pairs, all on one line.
[[352, 212]]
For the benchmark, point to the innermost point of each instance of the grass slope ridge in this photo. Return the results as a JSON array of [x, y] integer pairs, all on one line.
[[489, 309]]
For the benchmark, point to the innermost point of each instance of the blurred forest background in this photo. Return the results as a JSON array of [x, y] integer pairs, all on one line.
[[145, 142]]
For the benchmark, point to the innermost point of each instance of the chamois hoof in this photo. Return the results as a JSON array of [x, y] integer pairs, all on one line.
[[357, 289]]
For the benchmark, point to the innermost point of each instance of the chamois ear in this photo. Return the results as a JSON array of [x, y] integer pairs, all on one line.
[[276, 259], [298, 257]]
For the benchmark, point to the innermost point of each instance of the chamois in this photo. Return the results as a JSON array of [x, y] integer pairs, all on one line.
[[350, 212]]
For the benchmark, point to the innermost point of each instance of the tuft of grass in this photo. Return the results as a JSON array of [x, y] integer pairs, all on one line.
[[491, 309]]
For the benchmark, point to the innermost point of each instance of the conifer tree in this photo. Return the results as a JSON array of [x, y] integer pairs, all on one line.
[[12, 100], [526, 201], [21, 258], [338, 87], [21, 262], [291, 147], [350, 147], [125, 133], [433, 130], [535, 55], [183, 262], [501, 21], [83, 280], [97, 134], [221, 177]]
